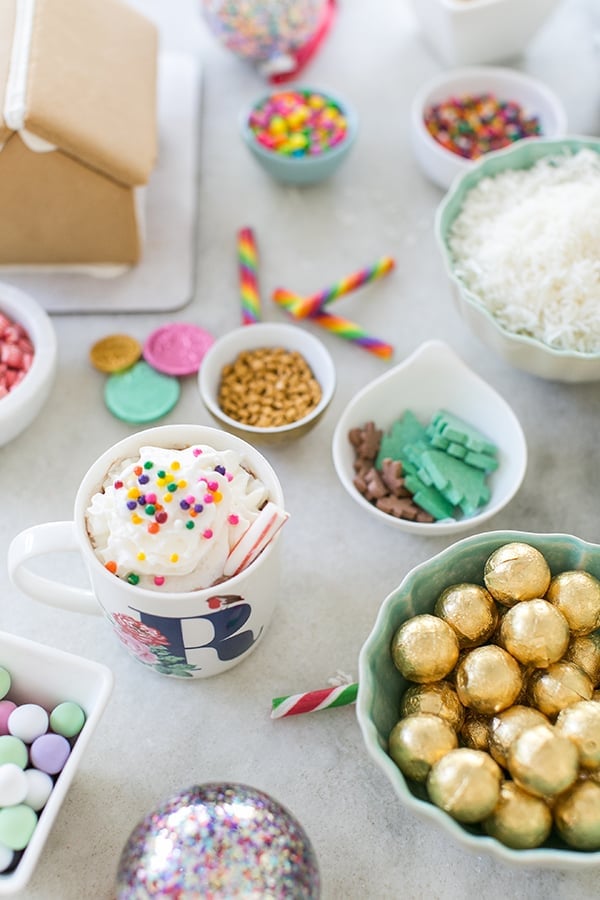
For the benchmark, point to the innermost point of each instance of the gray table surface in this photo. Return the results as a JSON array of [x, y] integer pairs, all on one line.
[[158, 736]]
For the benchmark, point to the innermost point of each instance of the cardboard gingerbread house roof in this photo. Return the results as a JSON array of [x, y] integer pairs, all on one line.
[[81, 76]]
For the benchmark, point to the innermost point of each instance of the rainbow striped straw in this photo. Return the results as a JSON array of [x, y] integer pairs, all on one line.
[[248, 269], [312, 701], [308, 306], [344, 328]]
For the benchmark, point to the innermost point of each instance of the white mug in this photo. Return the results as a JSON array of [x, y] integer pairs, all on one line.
[[193, 634]]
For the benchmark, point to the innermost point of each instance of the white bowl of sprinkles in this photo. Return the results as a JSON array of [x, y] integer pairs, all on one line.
[[518, 235]]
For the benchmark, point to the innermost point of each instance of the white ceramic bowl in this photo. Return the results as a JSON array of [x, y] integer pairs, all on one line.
[[48, 676], [20, 406], [266, 334], [434, 378], [381, 684], [463, 32], [526, 353], [441, 165]]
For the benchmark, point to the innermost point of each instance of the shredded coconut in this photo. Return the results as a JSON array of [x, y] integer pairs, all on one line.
[[527, 244]]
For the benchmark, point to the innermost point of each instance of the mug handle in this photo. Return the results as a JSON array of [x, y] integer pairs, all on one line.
[[51, 537]]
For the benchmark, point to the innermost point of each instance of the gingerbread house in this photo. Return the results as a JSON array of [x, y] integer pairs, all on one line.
[[77, 131]]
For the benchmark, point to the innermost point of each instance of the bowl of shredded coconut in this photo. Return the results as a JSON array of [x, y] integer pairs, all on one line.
[[519, 234]]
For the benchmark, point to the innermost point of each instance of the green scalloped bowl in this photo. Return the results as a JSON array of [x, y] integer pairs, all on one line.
[[523, 352], [381, 685]]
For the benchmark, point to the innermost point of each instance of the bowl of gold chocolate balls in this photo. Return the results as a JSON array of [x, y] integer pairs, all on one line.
[[478, 695]]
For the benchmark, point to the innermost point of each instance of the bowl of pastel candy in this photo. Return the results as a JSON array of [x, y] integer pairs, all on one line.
[[429, 447], [518, 235], [299, 135], [478, 696], [50, 705]]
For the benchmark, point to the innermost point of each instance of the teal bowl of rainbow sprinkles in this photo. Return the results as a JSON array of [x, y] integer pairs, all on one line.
[[299, 135]]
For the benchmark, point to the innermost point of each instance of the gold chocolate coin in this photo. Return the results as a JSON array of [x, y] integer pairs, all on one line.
[[543, 762], [577, 816], [470, 610], [465, 783], [417, 742], [425, 648], [577, 595], [488, 680], [115, 353], [519, 819], [437, 699], [535, 632], [516, 571]]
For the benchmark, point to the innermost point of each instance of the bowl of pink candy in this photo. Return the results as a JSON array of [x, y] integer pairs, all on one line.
[[299, 135], [28, 352], [50, 705]]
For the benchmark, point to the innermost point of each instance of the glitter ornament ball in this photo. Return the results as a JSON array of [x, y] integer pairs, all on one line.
[[263, 32], [218, 840]]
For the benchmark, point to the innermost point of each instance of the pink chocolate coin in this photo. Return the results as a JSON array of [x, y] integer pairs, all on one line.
[[177, 348]]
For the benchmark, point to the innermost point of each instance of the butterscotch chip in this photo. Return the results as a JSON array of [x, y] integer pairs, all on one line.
[[268, 387]]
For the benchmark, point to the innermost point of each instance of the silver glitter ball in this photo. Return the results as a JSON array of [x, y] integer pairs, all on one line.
[[219, 840]]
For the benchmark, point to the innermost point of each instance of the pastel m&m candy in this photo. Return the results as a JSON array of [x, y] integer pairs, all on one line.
[[17, 824], [6, 708], [49, 753], [13, 785], [13, 750], [28, 721], [5, 682], [67, 719]]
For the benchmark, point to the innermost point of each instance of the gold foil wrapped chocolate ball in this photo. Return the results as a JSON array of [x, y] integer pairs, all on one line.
[[580, 722], [516, 571], [506, 727], [577, 816], [519, 819], [465, 783], [417, 742], [535, 632], [488, 680], [557, 686], [437, 699], [543, 762], [584, 651], [470, 610], [475, 731], [577, 595], [425, 649]]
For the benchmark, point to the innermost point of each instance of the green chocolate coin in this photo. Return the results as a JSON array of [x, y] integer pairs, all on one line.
[[17, 824], [67, 719], [5, 682], [13, 750], [141, 394]]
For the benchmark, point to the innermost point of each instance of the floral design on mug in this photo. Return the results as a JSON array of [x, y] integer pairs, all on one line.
[[150, 646]]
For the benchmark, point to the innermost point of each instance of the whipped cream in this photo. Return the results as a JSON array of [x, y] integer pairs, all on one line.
[[169, 519]]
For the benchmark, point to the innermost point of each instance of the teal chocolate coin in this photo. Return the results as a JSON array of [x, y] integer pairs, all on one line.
[[140, 394]]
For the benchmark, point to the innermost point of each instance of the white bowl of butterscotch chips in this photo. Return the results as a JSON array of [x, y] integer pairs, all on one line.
[[479, 695]]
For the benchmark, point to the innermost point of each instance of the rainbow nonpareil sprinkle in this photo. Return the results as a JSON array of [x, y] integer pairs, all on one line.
[[473, 124], [158, 494]]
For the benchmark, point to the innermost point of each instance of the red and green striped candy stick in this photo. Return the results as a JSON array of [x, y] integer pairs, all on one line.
[[312, 701]]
